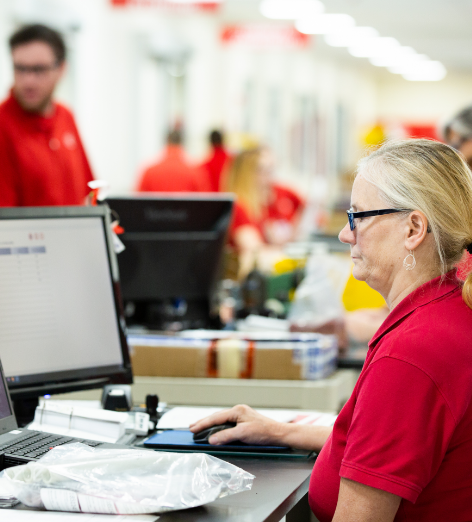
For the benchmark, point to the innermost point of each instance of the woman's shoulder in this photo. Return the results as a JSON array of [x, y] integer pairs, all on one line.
[[436, 339]]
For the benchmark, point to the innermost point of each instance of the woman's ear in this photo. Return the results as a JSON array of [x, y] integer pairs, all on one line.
[[417, 230]]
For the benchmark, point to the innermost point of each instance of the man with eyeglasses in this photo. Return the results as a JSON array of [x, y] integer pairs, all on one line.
[[42, 159]]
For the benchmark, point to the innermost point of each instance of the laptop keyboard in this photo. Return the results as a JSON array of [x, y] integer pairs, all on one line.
[[36, 443]]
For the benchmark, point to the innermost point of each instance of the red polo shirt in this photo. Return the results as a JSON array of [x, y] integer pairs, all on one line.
[[284, 206], [214, 167], [173, 174], [407, 428], [42, 160]]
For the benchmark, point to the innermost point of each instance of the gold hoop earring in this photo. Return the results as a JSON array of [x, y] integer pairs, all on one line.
[[406, 264]]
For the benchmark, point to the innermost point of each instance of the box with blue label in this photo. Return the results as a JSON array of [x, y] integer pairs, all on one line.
[[285, 356]]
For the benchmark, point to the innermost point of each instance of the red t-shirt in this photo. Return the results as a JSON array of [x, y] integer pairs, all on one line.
[[42, 160], [173, 174], [407, 428], [284, 206], [214, 167]]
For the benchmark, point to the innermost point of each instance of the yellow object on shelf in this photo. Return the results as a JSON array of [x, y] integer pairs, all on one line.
[[358, 294], [287, 264]]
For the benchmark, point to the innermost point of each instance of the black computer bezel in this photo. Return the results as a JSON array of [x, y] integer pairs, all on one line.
[[9, 423], [86, 378]]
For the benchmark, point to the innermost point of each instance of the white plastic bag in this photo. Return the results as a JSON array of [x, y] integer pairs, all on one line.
[[75, 477], [317, 304]]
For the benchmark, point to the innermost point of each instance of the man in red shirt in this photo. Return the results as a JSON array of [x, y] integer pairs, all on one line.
[[173, 173], [42, 160], [218, 160]]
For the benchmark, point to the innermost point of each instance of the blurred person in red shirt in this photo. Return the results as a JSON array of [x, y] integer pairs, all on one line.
[[173, 173], [217, 161], [458, 134], [42, 158], [266, 214], [270, 209]]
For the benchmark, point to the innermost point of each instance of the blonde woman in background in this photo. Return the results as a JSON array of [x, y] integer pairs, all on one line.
[[266, 213], [401, 448]]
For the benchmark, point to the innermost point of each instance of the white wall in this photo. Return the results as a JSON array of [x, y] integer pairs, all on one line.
[[421, 101]]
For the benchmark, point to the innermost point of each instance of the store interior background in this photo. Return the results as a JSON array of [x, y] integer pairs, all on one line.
[[135, 70]]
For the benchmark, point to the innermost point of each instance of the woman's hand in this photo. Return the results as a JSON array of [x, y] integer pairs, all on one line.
[[252, 427]]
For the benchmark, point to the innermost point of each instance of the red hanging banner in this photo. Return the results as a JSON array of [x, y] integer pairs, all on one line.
[[169, 4], [264, 36]]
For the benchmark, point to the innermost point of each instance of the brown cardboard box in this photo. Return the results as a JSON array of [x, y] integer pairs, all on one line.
[[233, 358], [169, 361]]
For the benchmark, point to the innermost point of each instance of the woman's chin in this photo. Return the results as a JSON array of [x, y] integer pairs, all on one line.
[[358, 273]]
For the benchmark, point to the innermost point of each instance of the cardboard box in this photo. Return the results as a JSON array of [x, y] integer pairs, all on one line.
[[299, 357]]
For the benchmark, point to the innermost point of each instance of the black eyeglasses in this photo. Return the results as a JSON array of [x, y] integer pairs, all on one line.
[[353, 215], [37, 70]]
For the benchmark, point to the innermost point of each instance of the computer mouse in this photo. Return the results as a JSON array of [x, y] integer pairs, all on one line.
[[201, 437]]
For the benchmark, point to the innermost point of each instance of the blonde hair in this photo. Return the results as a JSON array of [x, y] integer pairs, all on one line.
[[432, 177], [242, 180]]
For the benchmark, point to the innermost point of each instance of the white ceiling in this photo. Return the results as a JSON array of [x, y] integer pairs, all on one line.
[[442, 29]]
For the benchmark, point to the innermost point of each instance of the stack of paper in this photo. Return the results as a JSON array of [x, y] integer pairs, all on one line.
[[85, 423], [6, 499], [180, 418]]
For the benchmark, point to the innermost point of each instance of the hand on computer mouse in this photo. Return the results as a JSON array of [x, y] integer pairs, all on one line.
[[251, 427], [203, 437]]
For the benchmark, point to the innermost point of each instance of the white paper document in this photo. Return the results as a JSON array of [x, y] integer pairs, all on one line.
[[24, 515], [180, 418]]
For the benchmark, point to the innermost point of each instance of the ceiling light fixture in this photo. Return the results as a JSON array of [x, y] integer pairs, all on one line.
[[325, 24], [290, 9], [352, 37], [394, 58], [380, 46]]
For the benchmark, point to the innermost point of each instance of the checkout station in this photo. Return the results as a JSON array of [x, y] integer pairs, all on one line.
[[93, 321]]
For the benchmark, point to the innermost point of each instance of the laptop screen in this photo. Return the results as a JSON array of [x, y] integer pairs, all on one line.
[[5, 410]]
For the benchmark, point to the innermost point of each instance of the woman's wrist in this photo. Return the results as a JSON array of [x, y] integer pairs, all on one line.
[[311, 438]]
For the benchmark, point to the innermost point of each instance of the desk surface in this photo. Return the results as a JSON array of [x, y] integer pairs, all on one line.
[[278, 486]]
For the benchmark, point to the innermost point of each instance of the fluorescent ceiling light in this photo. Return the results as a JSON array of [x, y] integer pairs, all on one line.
[[394, 58], [410, 64], [430, 71], [375, 47], [352, 37], [325, 24], [290, 9]]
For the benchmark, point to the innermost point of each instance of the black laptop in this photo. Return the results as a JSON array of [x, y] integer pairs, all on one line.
[[21, 445]]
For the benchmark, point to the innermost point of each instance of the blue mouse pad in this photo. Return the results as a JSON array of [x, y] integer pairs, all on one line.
[[178, 440]]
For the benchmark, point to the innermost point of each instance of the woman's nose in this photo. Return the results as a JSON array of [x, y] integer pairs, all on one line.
[[347, 235]]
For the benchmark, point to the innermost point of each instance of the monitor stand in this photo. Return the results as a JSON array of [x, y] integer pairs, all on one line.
[[24, 410], [173, 315]]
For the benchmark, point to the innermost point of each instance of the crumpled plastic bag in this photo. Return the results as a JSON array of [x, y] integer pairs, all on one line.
[[317, 304], [75, 477]]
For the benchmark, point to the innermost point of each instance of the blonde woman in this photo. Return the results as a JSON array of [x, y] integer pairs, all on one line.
[[401, 448], [266, 213]]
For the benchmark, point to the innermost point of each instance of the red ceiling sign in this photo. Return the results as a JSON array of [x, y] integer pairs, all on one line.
[[168, 4], [264, 36]]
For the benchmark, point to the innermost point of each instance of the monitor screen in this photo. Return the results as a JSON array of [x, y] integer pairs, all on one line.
[[174, 248], [59, 302]]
